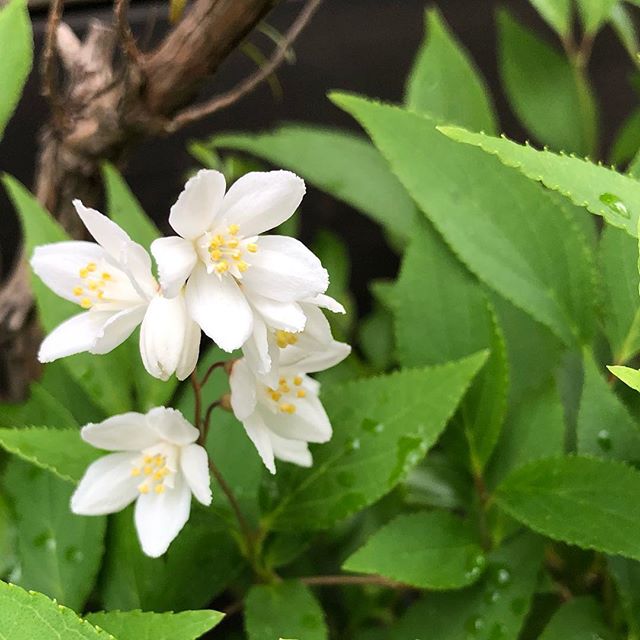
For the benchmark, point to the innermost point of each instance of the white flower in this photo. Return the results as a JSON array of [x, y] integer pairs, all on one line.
[[308, 351], [231, 272], [279, 420], [158, 464], [112, 280]]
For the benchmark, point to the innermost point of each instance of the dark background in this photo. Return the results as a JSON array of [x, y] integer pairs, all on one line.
[[366, 46]]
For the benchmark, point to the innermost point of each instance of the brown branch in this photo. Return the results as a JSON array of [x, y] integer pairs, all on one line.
[[379, 581], [127, 41], [49, 68], [245, 87]]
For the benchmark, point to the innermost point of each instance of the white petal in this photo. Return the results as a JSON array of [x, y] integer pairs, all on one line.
[[295, 451], [194, 464], [284, 269], [262, 200], [198, 204], [326, 302], [107, 486], [106, 232], [190, 352], [309, 422], [220, 308], [160, 517], [176, 258], [259, 434], [136, 263], [75, 335], [305, 361], [124, 432], [243, 390], [256, 348], [287, 316], [172, 426], [58, 264], [162, 335], [117, 329]]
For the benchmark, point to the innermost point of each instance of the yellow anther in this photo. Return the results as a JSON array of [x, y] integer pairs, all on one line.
[[222, 266], [242, 266], [215, 254], [85, 303], [216, 241], [84, 273], [275, 395], [285, 388], [287, 407], [233, 229], [92, 266], [93, 285], [158, 475], [135, 471], [147, 459], [281, 339], [106, 275], [77, 291], [252, 247], [301, 393], [232, 243], [297, 381], [158, 459], [237, 254], [147, 469], [159, 488], [100, 295], [143, 488]]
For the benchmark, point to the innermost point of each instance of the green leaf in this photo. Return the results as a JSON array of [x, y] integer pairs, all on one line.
[[605, 427], [593, 13], [539, 262], [146, 625], [445, 83], [622, 22], [95, 374], [604, 192], [376, 338], [32, 616], [621, 309], [557, 13], [459, 320], [382, 426], [199, 564], [631, 377], [59, 450], [493, 608], [339, 163], [59, 552], [626, 575], [577, 619], [428, 550], [16, 56], [627, 140], [583, 501], [284, 610], [8, 538], [41, 407], [553, 102]]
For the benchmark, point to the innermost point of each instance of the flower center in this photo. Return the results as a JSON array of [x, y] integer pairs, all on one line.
[[152, 469], [285, 338], [225, 252], [91, 288], [284, 396]]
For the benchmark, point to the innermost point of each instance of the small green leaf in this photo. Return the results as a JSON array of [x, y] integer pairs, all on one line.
[[341, 164], [594, 13], [627, 140], [554, 103], [428, 550], [382, 426], [16, 56], [623, 24], [28, 615], [284, 610], [631, 377], [587, 502], [146, 625], [604, 192], [578, 619], [557, 13], [445, 83], [59, 553], [41, 407], [59, 450], [626, 575]]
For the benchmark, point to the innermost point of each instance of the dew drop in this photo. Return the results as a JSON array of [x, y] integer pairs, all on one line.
[[615, 205], [474, 624], [491, 597], [72, 554], [503, 577], [604, 440], [353, 444], [475, 564], [46, 540]]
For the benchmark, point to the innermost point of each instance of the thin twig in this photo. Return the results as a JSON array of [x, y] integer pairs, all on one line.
[[379, 581], [127, 41], [207, 419], [49, 68], [197, 393], [228, 98], [210, 370]]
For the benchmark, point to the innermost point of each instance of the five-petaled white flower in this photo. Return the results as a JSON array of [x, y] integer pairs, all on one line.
[[112, 280], [231, 272], [280, 420], [157, 464]]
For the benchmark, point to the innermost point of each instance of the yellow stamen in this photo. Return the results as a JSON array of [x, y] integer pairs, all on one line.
[[84, 273], [106, 275], [287, 407], [92, 266], [301, 393], [222, 266], [242, 266], [252, 247], [93, 285], [147, 459], [77, 291], [285, 388], [135, 471], [297, 381], [233, 229], [85, 303], [232, 243], [216, 241], [275, 395], [237, 254], [159, 488], [216, 254], [147, 469], [158, 475], [143, 488]]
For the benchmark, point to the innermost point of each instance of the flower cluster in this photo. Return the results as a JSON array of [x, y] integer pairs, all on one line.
[[259, 293]]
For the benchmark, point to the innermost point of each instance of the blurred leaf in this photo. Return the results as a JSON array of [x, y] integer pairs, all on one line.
[[146, 625], [631, 377], [626, 575], [621, 20], [428, 550], [59, 553], [540, 262], [577, 619], [376, 338], [557, 13], [553, 102], [16, 56], [176, 9], [59, 450], [94, 374], [604, 192], [594, 13], [458, 320], [493, 608], [41, 407], [32, 616], [583, 501], [382, 426], [8, 538], [341, 164], [199, 564], [284, 610], [605, 427], [627, 141], [445, 83]]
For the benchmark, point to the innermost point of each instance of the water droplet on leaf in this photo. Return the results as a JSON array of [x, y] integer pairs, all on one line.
[[604, 440], [615, 205]]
